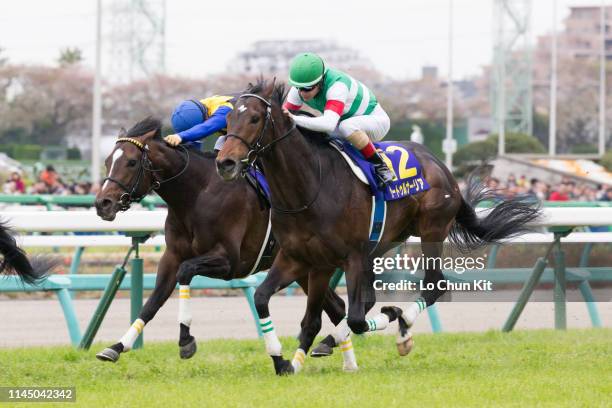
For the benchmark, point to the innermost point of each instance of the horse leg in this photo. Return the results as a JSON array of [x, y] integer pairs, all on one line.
[[432, 246], [335, 309], [318, 284], [284, 271], [359, 280], [210, 265], [164, 285]]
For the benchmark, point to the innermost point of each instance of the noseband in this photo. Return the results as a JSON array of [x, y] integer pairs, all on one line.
[[255, 150], [130, 195]]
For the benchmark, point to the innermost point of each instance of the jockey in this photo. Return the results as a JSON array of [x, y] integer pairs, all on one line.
[[349, 109], [194, 120]]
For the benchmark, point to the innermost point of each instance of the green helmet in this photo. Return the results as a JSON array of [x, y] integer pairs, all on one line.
[[306, 69]]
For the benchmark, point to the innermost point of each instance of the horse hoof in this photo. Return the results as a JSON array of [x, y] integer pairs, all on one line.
[[188, 350], [282, 367], [108, 354], [350, 368], [322, 350], [405, 345], [286, 369]]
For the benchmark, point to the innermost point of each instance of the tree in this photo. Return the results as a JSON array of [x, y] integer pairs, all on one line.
[[70, 56], [479, 153], [48, 103], [541, 127], [157, 96], [606, 160], [519, 143]]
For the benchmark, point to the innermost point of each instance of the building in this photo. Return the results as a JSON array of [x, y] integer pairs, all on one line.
[[273, 57], [582, 37], [579, 41]]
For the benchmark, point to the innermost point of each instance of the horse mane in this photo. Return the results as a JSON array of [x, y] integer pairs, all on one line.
[[205, 154], [278, 95], [151, 123], [145, 126]]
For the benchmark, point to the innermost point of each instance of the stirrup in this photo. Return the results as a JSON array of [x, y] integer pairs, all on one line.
[[381, 177]]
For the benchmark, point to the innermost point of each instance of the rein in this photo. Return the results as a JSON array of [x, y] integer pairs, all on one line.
[[255, 150], [130, 196]]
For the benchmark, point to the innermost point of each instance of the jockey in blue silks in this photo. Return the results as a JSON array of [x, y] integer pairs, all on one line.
[[193, 120]]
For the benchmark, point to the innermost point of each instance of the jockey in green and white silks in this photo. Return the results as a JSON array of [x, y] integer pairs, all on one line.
[[349, 109]]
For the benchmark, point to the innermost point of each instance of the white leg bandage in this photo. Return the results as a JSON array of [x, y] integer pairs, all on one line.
[[342, 332], [273, 346], [378, 322], [184, 313], [348, 355], [298, 360], [132, 334], [342, 336], [413, 310]]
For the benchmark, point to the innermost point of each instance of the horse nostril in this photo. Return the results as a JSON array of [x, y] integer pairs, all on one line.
[[103, 204], [226, 165]]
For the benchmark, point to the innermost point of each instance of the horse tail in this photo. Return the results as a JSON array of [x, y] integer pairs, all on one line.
[[505, 220], [16, 262]]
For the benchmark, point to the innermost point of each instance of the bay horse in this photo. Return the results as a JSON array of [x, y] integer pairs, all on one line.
[[213, 228], [321, 217], [16, 262]]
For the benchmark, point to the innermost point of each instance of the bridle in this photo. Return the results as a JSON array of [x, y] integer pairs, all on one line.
[[129, 195], [257, 149]]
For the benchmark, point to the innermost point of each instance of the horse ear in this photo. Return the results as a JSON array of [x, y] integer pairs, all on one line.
[[149, 135], [122, 132], [267, 93]]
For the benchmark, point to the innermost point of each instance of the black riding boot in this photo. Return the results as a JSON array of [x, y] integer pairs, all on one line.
[[384, 174]]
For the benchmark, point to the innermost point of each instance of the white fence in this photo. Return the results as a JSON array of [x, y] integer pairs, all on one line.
[[153, 221]]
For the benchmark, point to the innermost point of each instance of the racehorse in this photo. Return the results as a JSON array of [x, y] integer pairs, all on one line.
[[16, 262], [213, 228], [321, 215]]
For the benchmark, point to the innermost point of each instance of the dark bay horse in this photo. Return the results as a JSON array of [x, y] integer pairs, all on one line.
[[213, 228], [321, 215], [16, 262]]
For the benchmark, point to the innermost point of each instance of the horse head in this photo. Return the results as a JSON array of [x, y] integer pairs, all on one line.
[[251, 128], [129, 169]]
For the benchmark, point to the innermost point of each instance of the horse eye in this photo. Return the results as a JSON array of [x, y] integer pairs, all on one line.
[[254, 119], [131, 163]]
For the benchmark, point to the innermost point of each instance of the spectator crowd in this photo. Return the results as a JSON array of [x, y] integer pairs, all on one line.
[[566, 190], [47, 181]]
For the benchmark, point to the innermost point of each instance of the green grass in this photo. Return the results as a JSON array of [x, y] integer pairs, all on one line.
[[530, 368]]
